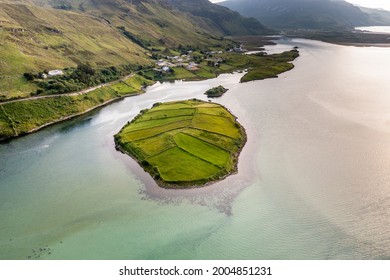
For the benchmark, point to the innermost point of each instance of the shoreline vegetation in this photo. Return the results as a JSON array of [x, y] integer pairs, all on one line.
[[23, 116], [184, 144]]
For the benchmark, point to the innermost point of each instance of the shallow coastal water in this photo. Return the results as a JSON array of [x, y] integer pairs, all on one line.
[[313, 180]]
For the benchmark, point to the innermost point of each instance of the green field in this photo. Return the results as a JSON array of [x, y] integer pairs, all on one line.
[[185, 143], [122, 87]]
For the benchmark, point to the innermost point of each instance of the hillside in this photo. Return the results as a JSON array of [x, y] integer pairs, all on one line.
[[37, 35], [34, 39], [379, 17], [220, 18], [306, 14]]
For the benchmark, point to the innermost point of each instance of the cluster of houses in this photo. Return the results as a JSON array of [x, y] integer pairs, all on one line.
[[185, 60], [239, 49], [165, 65]]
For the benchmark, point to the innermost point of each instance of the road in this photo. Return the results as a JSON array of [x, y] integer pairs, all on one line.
[[67, 94]]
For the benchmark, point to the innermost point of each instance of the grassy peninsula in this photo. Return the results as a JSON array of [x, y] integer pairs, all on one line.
[[184, 143], [20, 117], [210, 64]]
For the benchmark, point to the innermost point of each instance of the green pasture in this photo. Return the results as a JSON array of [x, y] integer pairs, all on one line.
[[123, 88], [224, 142], [216, 111], [173, 105], [168, 113], [154, 145], [128, 135], [177, 166], [202, 149], [137, 82], [156, 123], [215, 124]]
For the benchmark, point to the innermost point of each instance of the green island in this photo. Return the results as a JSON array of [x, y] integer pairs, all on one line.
[[216, 92], [184, 144]]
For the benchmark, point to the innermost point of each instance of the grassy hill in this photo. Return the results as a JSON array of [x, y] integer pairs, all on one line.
[[33, 39], [38, 35], [220, 18], [379, 17]]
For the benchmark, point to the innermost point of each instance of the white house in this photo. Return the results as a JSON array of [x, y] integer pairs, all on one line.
[[192, 66], [161, 63], [55, 73]]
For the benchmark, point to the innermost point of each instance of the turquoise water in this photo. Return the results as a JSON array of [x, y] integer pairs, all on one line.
[[313, 179]]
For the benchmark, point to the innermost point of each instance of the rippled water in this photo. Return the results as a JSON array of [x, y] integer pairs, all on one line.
[[313, 180]]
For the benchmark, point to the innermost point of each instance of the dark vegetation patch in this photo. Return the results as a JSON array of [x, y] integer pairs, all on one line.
[[216, 92]]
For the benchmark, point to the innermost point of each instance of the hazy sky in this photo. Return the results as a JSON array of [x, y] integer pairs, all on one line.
[[384, 4]]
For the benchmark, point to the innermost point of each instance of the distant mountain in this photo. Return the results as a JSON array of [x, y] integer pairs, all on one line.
[[377, 16], [221, 18], [305, 14]]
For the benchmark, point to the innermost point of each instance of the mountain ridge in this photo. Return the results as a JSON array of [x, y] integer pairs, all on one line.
[[306, 14]]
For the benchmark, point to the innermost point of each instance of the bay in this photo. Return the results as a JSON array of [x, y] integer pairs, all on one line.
[[313, 179]]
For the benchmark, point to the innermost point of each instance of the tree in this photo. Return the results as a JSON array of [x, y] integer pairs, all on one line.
[[28, 76]]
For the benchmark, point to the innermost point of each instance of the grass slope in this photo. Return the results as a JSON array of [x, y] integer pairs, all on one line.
[[184, 143], [33, 39], [21, 117], [220, 18], [38, 35]]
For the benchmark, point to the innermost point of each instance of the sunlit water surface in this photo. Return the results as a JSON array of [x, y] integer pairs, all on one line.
[[374, 29], [313, 179]]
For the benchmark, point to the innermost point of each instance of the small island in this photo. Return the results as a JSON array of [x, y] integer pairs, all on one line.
[[184, 144], [216, 92]]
